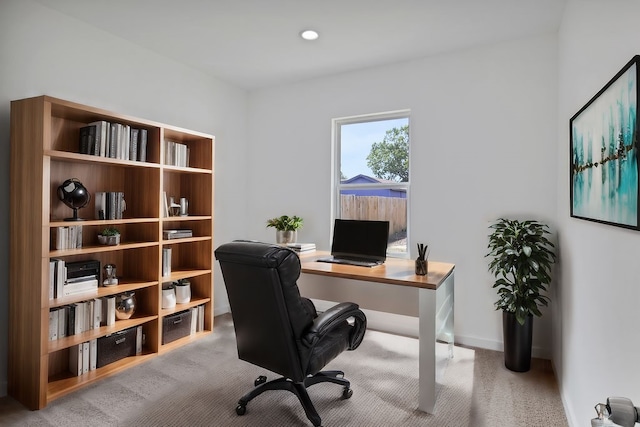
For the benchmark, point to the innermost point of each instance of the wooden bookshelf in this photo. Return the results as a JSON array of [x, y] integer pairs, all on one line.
[[45, 151]]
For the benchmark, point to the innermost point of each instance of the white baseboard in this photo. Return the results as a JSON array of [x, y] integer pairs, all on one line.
[[408, 326], [536, 352]]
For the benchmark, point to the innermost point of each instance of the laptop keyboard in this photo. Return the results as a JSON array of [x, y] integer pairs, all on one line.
[[349, 262]]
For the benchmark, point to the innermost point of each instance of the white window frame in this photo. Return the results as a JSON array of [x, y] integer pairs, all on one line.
[[337, 186]]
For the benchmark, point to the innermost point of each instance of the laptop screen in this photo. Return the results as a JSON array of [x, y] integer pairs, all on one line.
[[361, 239]]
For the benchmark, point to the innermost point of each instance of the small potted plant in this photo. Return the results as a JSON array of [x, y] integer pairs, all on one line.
[[109, 236], [522, 258], [286, 228]]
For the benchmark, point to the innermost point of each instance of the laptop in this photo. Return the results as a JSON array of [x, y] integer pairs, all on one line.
[[359, 242]]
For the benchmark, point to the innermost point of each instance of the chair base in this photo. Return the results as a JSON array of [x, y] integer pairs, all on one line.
[[299, 389]]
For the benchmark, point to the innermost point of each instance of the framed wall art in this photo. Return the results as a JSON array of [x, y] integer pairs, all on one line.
[[604, 153]]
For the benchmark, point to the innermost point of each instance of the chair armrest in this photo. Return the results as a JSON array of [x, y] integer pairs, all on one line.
[[334, 317]]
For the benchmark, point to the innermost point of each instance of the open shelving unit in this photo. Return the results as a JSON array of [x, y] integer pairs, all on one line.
[[45, 135]]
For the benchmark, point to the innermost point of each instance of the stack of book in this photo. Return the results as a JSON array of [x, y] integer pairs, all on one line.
[[177, 233], [176, 154], [79, 317], [67, 237], [109, 204], [302, 247], [114, 140]]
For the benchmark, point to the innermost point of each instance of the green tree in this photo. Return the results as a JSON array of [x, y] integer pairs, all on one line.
[[389, 159]]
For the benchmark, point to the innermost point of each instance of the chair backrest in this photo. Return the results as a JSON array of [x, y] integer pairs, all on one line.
[[268, 313]]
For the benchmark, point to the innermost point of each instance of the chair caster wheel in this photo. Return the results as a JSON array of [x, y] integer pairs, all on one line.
[[260, 380], [241, 409], [347, 393]]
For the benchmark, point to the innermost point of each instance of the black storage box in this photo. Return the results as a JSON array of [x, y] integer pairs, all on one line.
[[176, 326], [116, 346]]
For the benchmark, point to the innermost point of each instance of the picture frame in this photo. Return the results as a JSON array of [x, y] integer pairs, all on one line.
[[603, 153]]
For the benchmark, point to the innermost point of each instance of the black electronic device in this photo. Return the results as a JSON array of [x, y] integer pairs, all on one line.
[[81, 269], [359, 242]]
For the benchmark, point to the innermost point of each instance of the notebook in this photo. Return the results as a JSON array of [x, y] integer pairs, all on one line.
[[359, 242]]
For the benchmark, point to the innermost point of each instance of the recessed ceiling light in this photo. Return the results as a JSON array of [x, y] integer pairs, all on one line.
[[309, 35]]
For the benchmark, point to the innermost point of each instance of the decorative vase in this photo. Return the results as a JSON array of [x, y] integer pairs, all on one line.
[[517, 342], [125, 305], [169, 297], [286, 236], [183, 291], [421, 267]]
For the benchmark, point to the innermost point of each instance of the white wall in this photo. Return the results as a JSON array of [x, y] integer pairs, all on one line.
[[483, 145], [600, 294], [46, 53]]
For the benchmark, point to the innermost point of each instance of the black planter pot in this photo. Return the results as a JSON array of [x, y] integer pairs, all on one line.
[[517, 342]]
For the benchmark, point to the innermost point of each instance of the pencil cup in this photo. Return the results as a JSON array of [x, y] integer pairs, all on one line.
[[421, 267]]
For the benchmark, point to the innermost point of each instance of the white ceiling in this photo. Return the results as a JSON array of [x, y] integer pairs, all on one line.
[[255, 43]]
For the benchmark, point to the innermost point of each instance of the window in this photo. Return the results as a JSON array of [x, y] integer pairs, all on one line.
[[371, 172]]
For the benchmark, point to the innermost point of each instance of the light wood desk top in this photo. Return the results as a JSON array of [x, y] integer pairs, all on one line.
[[395, 271]]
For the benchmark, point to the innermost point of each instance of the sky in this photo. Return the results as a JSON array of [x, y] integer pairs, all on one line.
[[356, 141]]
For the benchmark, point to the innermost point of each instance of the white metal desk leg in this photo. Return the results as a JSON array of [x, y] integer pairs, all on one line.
[[427, 348], [436, 323]]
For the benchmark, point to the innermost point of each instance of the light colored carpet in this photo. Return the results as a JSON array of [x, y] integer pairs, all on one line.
[[200, 384]]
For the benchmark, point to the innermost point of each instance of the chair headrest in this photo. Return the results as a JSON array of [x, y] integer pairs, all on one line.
[[255, 253]]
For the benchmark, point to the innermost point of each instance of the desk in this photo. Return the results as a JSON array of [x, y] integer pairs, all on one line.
[[434, 300]]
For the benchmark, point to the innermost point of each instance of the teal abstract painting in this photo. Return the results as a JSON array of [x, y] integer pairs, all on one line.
[[604, 153]]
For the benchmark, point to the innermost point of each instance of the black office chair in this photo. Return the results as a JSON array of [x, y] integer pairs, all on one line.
[[278, 329]]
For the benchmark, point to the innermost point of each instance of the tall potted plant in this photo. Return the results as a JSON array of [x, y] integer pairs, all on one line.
[[286, 228], [522, 257]]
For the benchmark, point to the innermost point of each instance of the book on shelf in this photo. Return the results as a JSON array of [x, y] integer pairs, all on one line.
[[126, 142], [109, 204], [194, 320], [302, 247], [97, 313], [176, 154], [57, 278], [85, 357], [63, 313], [133, 144], [68, 237], [53, 324], [142, 145], [101, 137], [166, 262], [113, 140], [93, 354], [52, 279], [177, 233], [87, 139], [78, 327], [109, 311], [165, 208], [71, 319], [75, 359], [200, 326], [139, 340]]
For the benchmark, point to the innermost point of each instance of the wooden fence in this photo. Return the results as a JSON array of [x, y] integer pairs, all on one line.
[[376, 208]]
